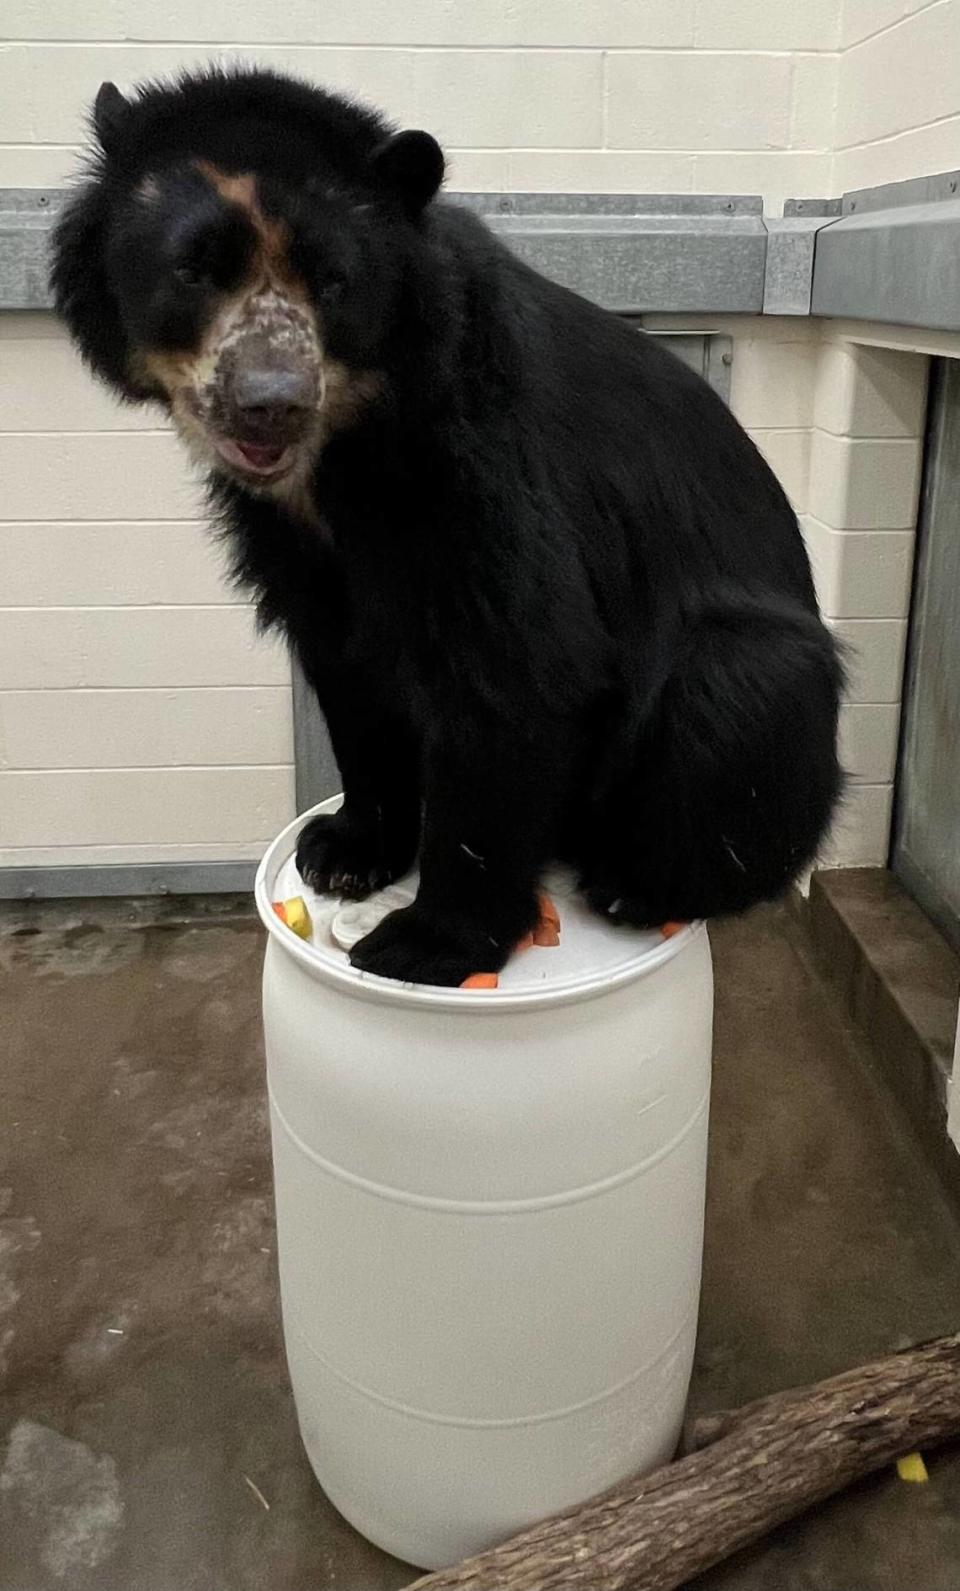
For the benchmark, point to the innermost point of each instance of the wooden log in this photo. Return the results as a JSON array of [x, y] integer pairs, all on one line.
[[762, 1464]]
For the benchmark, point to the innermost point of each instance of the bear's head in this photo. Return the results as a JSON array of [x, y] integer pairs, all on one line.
[[237, 252]]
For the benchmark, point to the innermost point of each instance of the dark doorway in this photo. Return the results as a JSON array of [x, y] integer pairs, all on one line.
[[926, 843]]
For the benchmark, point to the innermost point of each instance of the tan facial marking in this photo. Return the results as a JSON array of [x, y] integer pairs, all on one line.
[[162, 372], [270, 303], [273, 237], [345, 392]]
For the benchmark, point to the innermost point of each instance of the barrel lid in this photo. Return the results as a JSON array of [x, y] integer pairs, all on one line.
[[593, 955]]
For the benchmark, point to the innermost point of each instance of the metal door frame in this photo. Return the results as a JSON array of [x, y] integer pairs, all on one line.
[[914, 878]]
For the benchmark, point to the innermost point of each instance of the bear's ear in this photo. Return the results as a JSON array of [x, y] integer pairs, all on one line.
[[410, 166], [109, 113]]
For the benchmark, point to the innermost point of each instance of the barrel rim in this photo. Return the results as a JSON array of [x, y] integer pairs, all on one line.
[[364, 985]]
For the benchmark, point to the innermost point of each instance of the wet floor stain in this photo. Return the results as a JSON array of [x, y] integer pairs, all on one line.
[[60, 1500]]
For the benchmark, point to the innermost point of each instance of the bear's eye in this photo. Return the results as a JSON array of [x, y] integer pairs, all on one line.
[[190, 275], [331, 289]]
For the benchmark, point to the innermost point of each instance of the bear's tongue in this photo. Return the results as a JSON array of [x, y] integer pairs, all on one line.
[[261, 455]]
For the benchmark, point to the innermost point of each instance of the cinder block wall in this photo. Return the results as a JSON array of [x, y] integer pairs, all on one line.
[[842, 425], [865, 458], [898, 91], [140, 718], [640, 96], [841, 422]]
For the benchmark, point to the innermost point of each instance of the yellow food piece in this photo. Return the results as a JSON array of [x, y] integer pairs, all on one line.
[[296, 916], [912, 1468]]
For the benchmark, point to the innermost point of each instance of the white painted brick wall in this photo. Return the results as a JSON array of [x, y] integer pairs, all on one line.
[[438, 23], [868, 741], [114, 596], [865, 457], [860, 574], [121, 646], [147, 727], [135, 648], [667, 95], [788, 454], [841, 424], [864, 483], [862, 392], [711, 100], [875, 651], [861, 834], [122, 563], [140, 716], [471, 98], [841, 421], [122, 649], [772, 377], [898, 91], [167, 806]]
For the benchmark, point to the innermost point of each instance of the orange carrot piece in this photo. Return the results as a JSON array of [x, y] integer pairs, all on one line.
[[548, 911], [481, 980], [669, 929]]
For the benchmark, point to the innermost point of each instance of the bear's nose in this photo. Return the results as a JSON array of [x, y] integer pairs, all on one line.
[[269, 399]]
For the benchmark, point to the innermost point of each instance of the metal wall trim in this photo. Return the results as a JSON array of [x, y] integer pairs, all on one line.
[[893, 255], [630, 253], [887, 254], [900, 266], [788, 269], [147, 878]]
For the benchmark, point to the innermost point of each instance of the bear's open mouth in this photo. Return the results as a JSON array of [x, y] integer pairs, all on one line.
[[262, 459]]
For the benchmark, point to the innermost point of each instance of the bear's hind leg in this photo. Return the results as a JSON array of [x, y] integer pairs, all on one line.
[[734, 775]]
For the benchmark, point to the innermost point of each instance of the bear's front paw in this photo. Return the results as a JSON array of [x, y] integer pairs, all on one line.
[[415, 946], [338, 856]]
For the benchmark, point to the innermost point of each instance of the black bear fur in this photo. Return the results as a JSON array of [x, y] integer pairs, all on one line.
[[553, 601]]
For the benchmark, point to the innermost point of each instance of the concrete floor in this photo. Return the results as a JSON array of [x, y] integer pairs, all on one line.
[[145, 1416]]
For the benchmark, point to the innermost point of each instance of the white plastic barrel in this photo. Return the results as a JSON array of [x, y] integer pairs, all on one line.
[[489, 1218]]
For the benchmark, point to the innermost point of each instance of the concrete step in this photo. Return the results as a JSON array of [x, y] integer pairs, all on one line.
[[899, 980]]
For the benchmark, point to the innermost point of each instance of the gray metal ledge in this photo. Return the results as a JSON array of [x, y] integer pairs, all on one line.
[[886, 254], [893, 255], [26, 216], [791, 242], [89, 881], [632, 253], [639, 253]]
